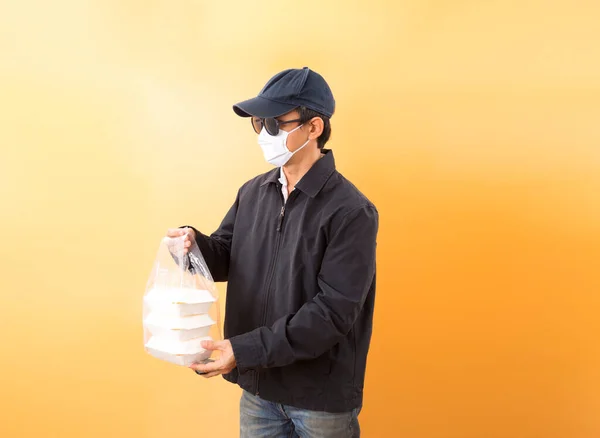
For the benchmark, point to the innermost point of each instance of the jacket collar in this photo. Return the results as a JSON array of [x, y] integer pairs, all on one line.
[[315, 178]]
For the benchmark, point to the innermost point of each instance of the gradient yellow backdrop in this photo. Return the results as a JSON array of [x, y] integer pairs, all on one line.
[[474, 126]]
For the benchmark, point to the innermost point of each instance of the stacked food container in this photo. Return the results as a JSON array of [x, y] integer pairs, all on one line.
[[178, 322]]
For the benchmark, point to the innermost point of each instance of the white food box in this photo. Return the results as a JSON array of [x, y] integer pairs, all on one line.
[[183, 353], [179, 301], [178, 328]]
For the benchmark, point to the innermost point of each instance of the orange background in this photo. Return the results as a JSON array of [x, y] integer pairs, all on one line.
[[473, 126]]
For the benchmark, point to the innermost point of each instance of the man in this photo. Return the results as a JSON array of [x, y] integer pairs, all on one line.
[[298, 251]]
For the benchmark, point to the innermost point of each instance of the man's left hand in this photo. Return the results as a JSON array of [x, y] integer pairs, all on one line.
[[223, 365]]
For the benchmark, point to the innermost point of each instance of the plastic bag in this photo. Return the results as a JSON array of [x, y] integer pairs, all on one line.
[[181, 307]]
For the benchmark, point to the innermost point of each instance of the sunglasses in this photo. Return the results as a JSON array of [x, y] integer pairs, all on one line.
[[271, 124]]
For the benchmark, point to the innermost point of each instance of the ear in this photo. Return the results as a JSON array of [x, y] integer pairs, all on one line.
[[315, 128]]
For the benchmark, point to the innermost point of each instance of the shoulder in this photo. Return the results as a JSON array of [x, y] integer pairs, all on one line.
[[345, 195], [346, 207]]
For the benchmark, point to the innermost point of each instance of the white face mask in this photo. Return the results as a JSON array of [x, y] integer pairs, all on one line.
[[274, 146]]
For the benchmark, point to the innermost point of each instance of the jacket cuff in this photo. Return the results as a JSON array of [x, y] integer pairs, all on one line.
[[246, 350]]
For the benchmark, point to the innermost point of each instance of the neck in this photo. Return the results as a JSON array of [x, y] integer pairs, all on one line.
[[296, 169]]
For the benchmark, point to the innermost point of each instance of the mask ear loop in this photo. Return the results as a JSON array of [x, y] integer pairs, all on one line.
[[299, 149], [287, 136]]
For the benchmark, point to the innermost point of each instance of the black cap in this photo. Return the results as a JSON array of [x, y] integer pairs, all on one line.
[[287, 91]]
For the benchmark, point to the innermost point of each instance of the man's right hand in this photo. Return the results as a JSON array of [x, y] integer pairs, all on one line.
[[189, 234]]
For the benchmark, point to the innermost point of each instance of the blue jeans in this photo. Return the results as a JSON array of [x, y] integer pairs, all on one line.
[[263, 419]]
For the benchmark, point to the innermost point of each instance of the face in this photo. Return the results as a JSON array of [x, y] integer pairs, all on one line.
[[297, 138], [311, 130], [290, 122]]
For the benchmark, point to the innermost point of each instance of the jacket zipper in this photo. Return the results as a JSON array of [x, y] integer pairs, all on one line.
[[271, 275]]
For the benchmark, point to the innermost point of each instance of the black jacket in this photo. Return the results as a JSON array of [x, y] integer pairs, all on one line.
[[301, 289]]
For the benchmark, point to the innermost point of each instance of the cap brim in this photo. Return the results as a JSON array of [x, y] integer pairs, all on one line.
[[261, 107]]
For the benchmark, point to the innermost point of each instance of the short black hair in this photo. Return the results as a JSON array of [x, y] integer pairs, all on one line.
[[308, 114]]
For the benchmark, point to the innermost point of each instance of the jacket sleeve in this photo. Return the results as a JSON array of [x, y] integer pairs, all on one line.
[[216, 248], [344, 280]]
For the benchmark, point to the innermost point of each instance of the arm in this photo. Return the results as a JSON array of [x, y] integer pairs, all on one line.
[[216, 247], [346, 275]]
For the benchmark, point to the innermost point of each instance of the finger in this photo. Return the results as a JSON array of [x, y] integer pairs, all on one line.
[[213, 374], [215, 345], [190, 233], [210, 345], [174, 232], [206, 368]]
